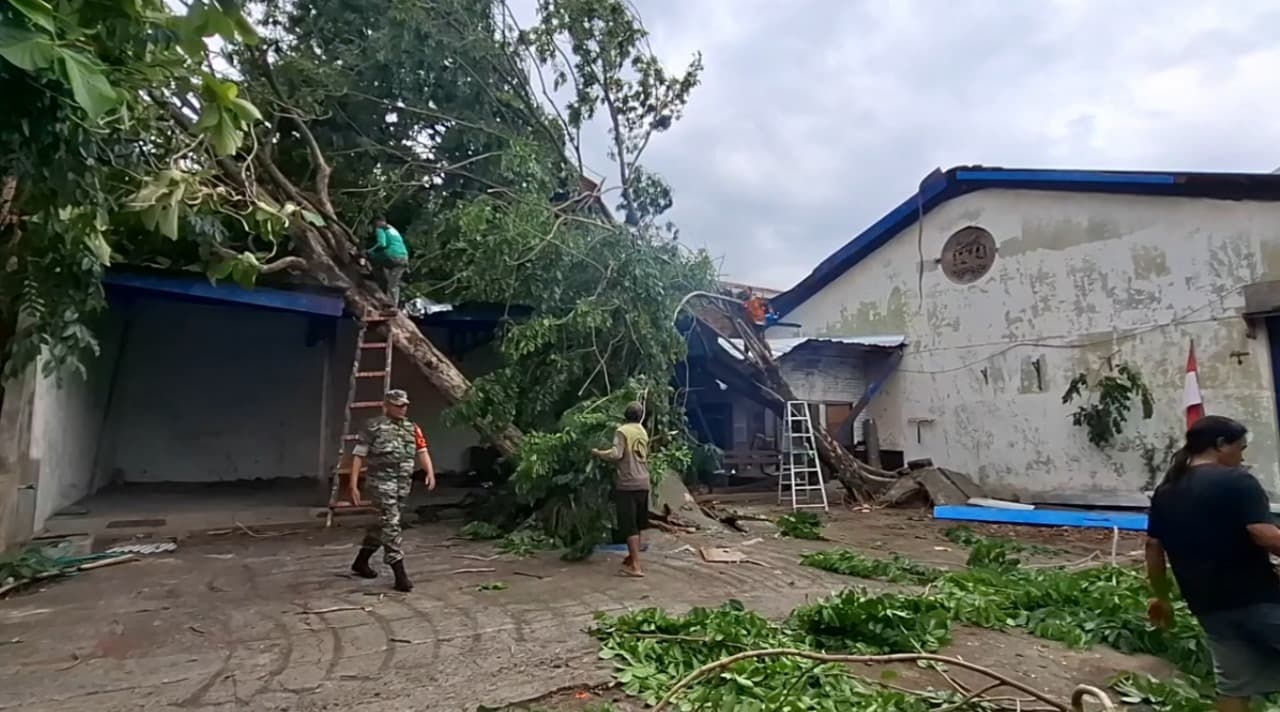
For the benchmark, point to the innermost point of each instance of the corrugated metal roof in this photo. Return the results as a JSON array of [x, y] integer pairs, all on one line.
[[781, 347]]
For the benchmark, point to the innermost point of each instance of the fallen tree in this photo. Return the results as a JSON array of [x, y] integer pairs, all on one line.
[[130, 141], [758, 374]]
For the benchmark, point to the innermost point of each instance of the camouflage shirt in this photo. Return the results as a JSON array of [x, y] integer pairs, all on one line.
[[390, 444]]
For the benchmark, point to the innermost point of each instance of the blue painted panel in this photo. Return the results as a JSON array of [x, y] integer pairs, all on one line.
[[1129, 521], [228, 292], [1020, 176]]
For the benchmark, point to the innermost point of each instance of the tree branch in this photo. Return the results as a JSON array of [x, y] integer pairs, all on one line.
[[828, 658]]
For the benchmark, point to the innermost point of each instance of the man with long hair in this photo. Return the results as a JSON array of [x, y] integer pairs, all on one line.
[[1211, 521]]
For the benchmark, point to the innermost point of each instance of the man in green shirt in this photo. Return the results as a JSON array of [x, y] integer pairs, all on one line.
[[391, 258], [630, 452]]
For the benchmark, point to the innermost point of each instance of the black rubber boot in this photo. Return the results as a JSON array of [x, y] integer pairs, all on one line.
[[360, 567], [402, 579]]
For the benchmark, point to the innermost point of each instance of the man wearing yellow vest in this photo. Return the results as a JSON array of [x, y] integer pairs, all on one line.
[[631, 483]]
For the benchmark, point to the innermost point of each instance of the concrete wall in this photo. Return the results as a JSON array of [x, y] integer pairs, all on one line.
[[448, 444], [67, 420], [210, 392], [1080, 281]]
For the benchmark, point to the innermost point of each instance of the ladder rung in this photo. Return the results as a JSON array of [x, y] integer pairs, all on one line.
[[374, 345], [364, 404], [370, 374]]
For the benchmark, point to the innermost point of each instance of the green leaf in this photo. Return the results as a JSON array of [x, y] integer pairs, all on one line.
[[313, 218], [243, 273], [26, 50], [38, 12], [219, 270], [225, 137], [210, 115], [98, 245], [89, 85], [245, 110]]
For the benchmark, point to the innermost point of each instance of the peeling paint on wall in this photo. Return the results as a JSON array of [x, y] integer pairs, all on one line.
[[1149, 262], [872, 317], [1061, 234], [1084, 283]]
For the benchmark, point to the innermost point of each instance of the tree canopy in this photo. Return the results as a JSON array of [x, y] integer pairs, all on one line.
[[256, 141]]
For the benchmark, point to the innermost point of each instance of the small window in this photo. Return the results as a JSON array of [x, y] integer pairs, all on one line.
[[968, 255]]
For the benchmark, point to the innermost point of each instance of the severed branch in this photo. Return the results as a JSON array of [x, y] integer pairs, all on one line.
[[1003, 680]]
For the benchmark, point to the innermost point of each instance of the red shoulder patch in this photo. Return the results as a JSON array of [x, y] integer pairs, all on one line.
[[419, 440]]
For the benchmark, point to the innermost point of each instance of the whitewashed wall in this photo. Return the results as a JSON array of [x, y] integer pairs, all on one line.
[[1079, 279]]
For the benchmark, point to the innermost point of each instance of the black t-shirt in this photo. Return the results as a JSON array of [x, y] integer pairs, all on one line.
[[1201, 522]]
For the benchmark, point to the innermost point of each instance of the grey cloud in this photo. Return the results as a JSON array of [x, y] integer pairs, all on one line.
[[816, 117]]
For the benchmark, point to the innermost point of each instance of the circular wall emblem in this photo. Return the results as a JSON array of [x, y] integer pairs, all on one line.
[[968, 255]]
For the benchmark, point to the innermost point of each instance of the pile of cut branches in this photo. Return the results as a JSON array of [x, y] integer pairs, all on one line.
[[801, 662]]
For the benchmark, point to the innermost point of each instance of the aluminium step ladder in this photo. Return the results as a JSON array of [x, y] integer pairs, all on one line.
[[361, 373], [801, 477]]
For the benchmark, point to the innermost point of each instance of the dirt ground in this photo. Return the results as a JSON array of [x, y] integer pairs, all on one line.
[[239, 623]]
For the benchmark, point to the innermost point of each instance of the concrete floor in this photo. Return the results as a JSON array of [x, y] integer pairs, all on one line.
[[182, 510], [222, 624]]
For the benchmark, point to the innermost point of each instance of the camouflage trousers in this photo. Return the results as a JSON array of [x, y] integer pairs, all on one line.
[[390, 493]]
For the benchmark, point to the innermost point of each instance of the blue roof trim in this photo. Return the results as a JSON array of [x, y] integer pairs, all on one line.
[[941, 187], [200, 288]]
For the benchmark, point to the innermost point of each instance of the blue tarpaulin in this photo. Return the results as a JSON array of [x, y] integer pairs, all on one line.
[[1129, 521]]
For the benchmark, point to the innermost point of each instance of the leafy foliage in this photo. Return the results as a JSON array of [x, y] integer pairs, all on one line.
[[800, 525], [525, 542], [1106, 605], [652, 650], [898, 569], [480, 531], [1175, 695], [1106, 402]]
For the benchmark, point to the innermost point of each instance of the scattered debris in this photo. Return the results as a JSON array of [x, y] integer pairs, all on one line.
[[998, 504], [672, 504], [723, 555], [220, 556], [264, 535], [540, 577], [196, 629], [145, 548], [76, 660], [940, 485], [492, 586], [751, 542], [800, 525], [123, 559], [476, 557], [14, 641], [333, 609], [472, 571]]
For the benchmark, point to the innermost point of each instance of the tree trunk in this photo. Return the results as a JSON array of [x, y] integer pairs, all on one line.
[[365, 298], [861, 481]]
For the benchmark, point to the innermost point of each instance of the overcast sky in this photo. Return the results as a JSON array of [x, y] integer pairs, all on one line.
[[816, 117]]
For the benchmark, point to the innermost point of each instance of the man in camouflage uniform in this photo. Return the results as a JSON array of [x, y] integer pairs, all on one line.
[[391, 446]]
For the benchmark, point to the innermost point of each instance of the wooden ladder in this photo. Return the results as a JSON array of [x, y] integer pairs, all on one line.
[[371, 403]]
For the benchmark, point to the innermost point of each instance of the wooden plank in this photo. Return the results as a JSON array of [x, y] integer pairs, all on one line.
[[1128, 521]]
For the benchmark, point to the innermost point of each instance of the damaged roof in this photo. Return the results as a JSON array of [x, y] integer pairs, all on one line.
[[939, 187], [781, 347]]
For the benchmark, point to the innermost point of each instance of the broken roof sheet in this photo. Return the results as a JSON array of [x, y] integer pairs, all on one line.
[[781, 347]]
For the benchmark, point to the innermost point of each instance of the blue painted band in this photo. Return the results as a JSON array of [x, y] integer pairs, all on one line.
[[228, 292]]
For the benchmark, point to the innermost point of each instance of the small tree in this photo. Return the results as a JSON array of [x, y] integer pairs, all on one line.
[[1105, 403]]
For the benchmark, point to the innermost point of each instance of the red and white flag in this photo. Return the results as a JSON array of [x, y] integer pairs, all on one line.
[[1191, 399]]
